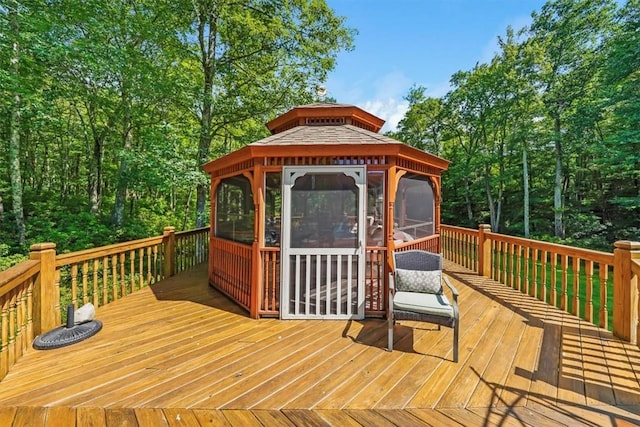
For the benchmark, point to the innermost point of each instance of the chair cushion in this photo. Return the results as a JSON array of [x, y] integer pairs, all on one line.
[[418, 281], [434, 304]]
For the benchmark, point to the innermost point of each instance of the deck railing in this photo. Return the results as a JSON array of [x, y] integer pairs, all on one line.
[[600, 287], [33, 293]]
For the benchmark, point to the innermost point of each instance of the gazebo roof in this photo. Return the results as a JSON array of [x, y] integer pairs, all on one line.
[[323, 130], [325, 135], [325, 114]]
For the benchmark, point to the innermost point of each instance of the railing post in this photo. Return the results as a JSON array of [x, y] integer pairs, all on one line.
[[169, 241], [45, 299], [484, 250], [625, 291]]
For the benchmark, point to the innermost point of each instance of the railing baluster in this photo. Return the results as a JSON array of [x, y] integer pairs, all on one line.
[[575, 309], [74, 285], [554, 280], [123, 277], [4, 344], [96, 292], [564, 298], [114, 276], [105, 280], [604, 310], [588, 311], [85, 282], [132, 271]]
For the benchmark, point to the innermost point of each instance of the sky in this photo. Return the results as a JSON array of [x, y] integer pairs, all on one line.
[[401, 43]]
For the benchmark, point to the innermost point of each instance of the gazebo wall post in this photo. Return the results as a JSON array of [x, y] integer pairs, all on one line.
[[256, 287], [214, 220]]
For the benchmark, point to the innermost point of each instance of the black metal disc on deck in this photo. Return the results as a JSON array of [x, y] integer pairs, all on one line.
[[62, 336], [68, 334]]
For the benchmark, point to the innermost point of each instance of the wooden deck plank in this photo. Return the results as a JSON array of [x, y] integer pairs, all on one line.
[[90, 417], [120, 417], [272, 418], [211, 418], [180, 417], [60, 416], [240, 417], [150, 417], [516, 416], [262, 373], [336, 417], [300, 362], [27, 416], [312, 397], [433, 417], [479, 318], [324, 368], [571, 385], [401, 417], [470, 374], [490, 386], [7, 415], [369, 418], [399, 395], [183, 383], [191, 351]]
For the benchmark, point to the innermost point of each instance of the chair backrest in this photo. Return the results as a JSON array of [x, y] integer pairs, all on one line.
[[417, 260]]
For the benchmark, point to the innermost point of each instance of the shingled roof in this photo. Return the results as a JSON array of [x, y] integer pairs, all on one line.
[[325, 131], [325, 135]]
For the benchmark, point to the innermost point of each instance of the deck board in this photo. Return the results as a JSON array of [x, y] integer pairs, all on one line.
[[180, 353]]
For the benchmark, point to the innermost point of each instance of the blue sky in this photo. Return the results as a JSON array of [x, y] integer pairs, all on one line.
[[422, 42]]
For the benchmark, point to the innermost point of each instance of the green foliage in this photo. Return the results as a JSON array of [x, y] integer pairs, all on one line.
[[561, 95], [7, 259]]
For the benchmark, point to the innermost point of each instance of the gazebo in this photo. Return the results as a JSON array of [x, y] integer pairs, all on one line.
[[303, 222]]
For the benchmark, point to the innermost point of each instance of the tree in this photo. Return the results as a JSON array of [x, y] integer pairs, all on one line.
[[256, 58], [566, 36]]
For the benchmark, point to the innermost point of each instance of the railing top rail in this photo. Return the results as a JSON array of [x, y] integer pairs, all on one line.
[[462, 230], [102, 251], [194, 231], [17, 274], [588, 254], [416, 241]]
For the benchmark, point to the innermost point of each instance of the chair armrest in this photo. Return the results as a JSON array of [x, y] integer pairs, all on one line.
[[392, 283], [454, 293], [453, 289]]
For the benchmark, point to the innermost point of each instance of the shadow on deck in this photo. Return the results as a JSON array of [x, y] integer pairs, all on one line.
[[180, 353]]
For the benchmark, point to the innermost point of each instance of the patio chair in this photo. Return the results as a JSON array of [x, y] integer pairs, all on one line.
[[416, 293]]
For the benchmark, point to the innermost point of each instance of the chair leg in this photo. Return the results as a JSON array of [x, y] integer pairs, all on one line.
[[455, 343], [390, 324]]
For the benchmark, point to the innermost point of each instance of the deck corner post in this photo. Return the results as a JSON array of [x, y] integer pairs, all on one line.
[[45, 299], [169, 240], [484, 250], [625, 291]]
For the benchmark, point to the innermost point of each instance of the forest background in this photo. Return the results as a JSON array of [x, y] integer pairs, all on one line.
[[109, 108]]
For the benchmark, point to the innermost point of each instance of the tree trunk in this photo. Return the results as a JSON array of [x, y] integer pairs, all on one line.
[[525, 188], [121, 190], [558, 205], [14, 133], [207, 41]]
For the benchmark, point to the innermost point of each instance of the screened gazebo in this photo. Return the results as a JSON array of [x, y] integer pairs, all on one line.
[[304, 221]]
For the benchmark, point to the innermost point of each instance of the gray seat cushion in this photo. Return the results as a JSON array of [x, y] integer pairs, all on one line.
[[434, 304]]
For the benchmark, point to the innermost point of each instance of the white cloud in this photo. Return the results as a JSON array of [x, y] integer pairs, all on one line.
[[391, 110]]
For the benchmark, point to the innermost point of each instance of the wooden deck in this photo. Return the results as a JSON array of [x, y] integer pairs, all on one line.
[[180, 353]]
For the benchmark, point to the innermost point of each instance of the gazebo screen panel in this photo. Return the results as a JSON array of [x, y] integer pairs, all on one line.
[[235, 211], [414, 209]]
